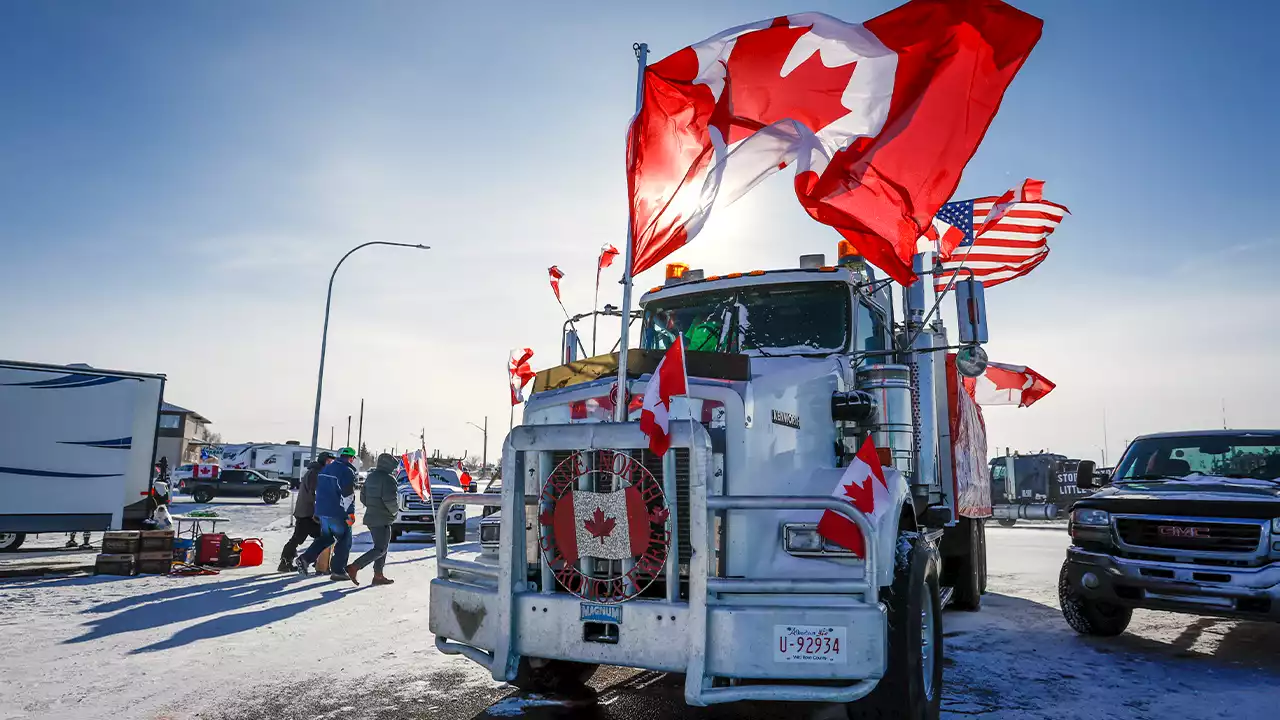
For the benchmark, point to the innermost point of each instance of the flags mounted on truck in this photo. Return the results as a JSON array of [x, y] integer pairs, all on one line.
[[878, 118]]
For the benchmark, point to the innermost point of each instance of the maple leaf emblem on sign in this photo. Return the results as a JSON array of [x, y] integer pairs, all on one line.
[[599, 525]]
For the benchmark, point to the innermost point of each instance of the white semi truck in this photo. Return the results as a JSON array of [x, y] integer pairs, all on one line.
[[706, 561], [77, 449]]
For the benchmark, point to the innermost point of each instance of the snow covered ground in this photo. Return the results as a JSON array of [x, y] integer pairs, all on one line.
[[252, 643]]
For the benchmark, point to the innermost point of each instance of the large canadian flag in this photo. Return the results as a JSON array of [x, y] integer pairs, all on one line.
[[669, 380], [415, 468], [879, 119], [612, 526], [1003, 384], [864, 485]]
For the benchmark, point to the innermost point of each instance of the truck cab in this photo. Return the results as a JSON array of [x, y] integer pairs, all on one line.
[[1188, 522], [706, 560]]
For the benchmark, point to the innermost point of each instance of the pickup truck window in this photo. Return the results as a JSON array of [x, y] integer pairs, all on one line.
[[1244, 455]]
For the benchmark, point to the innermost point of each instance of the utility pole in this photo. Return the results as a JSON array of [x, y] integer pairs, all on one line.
[[360, 432], [1224, 413], [484, 452], [330, 437], [1105, 445], [348, 431]]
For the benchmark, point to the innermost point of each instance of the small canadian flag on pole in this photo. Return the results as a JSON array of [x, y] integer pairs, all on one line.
[[864, 485], [669, 380]]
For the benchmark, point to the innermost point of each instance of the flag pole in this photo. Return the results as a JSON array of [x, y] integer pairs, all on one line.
[[620, 409], [595, 310]]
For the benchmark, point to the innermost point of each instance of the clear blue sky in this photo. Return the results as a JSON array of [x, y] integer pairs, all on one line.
[[177, 179]]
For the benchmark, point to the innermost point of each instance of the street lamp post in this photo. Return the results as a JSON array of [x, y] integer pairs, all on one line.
[[324, 337], [484, 452]]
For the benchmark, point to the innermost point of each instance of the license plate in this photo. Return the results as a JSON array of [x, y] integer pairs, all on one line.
[[809, 644], [595, 612]]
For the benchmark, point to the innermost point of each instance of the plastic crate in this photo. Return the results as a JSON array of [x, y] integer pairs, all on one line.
[[115, 564], [156, 562], [156, 540], [121, 542]]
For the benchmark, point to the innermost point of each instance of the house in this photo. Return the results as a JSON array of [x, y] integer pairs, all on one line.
[[179, 435]]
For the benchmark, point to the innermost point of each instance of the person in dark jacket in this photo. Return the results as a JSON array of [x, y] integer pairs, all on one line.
[[381, 503], [335, 508], [305, 525]]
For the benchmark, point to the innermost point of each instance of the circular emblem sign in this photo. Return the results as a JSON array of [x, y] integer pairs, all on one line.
[[606, 544]]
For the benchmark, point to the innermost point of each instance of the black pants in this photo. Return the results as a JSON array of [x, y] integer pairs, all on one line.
[[381, 535], [303, 528]]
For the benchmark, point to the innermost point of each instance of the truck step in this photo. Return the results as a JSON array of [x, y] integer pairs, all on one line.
[[945, 593]]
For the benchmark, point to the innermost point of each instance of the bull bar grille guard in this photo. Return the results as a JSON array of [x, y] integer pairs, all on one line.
[[527, 442]]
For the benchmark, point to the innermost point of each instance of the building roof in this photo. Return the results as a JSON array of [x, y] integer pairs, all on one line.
[[168, 407]]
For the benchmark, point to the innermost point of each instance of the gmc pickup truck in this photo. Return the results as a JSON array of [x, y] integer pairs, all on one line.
[[1189, 522]]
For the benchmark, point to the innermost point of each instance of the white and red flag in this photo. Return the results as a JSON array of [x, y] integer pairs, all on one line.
[[669, 380], [1005, 384], [415, 469], [607, 254], [519, 373], [863, 484], [998, 238], [555, 275], [612, 526], [878, 118], [464, 477]]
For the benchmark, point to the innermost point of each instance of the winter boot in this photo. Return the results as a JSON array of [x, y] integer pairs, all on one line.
[[300, 565], [286, 565], [381, 579]]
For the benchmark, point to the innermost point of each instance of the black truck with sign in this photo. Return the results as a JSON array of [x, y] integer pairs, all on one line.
[[1037, 486], [1189, 522]]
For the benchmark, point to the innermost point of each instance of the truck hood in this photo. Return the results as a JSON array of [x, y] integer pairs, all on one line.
[[1192, 496]]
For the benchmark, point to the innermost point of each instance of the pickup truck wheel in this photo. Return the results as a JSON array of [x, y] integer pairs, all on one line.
[[458, 534], [270, 497], [202, 495], [1090, 617], [395, 534], [1008, 522], [11, 541], [911, 688], [966, 573], [552, 676]]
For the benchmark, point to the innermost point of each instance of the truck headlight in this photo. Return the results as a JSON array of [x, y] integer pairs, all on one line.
[[490, 533], [1091, 517], [1275, 526], [803, 539]]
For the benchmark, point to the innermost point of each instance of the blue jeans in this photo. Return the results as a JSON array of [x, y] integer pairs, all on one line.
[[336, 532]]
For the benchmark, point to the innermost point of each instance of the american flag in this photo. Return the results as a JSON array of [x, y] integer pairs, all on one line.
[[1011, 246]]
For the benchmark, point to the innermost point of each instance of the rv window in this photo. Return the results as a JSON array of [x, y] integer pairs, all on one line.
[[170, 422]]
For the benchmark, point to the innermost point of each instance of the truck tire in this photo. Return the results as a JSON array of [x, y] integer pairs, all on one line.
[[202, 495], [395, 534], [10, 542], [552, 676], [1090, 617], [967, 570], [270, 497], [458, 534], [911, 688], [1008, 522]]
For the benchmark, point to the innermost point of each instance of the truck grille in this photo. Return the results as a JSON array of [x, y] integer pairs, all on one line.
[[1196, 535]]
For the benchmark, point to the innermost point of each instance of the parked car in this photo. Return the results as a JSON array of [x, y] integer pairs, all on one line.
[[237, 483], [182, 472], [1190, 522]]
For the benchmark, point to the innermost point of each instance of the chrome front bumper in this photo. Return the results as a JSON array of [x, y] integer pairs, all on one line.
[[725, 629], [1251, 593]]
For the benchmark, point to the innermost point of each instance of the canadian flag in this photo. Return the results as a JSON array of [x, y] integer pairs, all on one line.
[[612, 526], [415, 468], [878, 118], [863, 484], [669, 380], [205, 472], [519, 373], [1005, 384], [554, 274]]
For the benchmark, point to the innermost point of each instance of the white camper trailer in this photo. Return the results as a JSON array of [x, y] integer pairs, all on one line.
[[77, 450], [287, 460]]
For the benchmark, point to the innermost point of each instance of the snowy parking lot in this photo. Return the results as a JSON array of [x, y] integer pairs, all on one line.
[[252, 643]]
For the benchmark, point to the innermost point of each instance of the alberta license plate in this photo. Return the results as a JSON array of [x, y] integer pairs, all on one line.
[[809, 643]]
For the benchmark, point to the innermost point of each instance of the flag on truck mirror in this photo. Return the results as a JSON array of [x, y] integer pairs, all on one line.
[[669, 379]]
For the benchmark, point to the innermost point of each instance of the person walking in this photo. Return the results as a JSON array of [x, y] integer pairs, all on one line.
[[381, 503], [305, 525], [335, 508]]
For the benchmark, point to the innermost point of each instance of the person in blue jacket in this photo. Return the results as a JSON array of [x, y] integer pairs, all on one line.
[[335, 508]]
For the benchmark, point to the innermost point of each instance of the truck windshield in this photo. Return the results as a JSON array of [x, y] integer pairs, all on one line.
[[779, 319], [1243, 455]]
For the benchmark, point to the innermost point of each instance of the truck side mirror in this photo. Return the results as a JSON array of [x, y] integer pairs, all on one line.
[[1084, 474], [971, 311]]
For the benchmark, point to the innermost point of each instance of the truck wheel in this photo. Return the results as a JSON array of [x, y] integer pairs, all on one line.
[[911, 688], [1008, 522], [458, 534], [11, 541], [202, 495], [270, 497], [1090, 617], [966, 573], [552, 676], [395, 534]]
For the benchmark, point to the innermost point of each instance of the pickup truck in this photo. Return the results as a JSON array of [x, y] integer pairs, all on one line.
[[1189, 522], [236, 483], [417, 515]]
